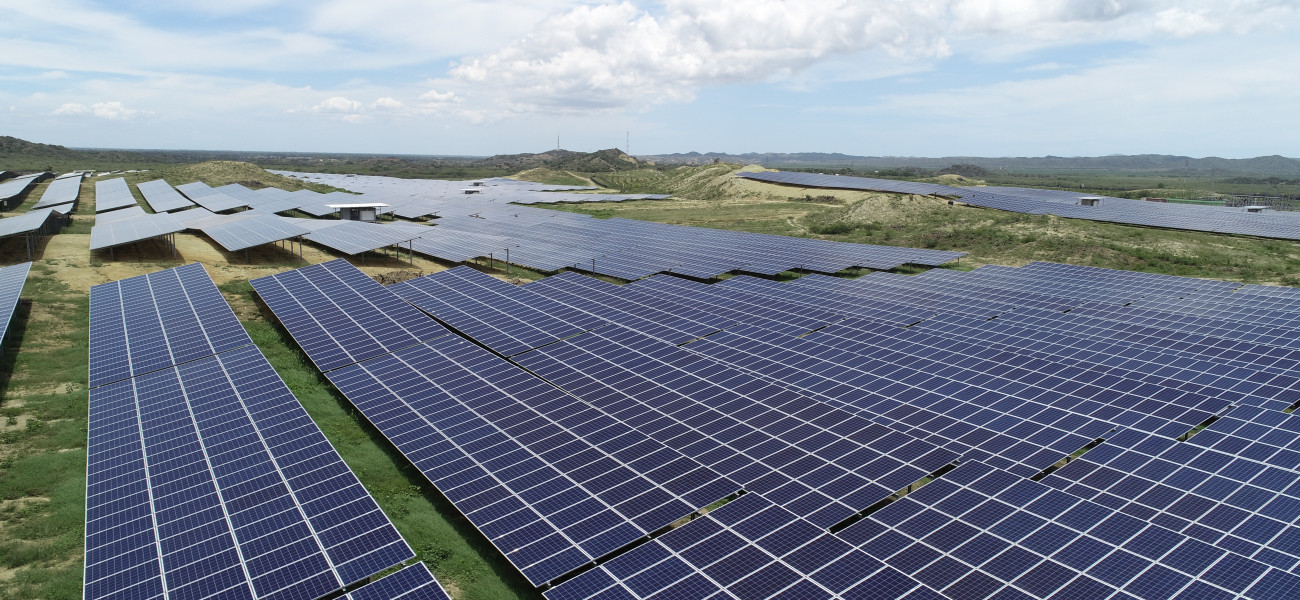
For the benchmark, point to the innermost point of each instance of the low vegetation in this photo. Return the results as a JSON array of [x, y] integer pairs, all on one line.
[[43, 441]]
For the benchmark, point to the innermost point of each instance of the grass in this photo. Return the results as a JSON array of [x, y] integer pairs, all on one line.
[[43, 446]]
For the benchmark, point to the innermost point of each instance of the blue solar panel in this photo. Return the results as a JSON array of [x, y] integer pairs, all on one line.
[[505, 318], [822, 463], [339, 315], [154, 321], [12, 280], [510, 452], [205, 476], [412, 583]]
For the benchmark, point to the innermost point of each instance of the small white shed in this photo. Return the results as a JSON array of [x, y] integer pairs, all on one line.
[[362, 211]]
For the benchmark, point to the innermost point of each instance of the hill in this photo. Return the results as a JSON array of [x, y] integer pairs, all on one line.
[[601, 161], [217, 173], [22, 155], [1271, 165]]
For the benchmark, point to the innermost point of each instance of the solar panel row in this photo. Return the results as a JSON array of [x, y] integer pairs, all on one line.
[[12, 280], [1143, 514], [162, 197], [205, 476], [1067, 204], [397, 390], [131, 228], [550, 240], [61, 191], [112, 194], [13, 188]]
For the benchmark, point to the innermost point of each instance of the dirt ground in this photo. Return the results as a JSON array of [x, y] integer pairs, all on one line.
[[76, 265]]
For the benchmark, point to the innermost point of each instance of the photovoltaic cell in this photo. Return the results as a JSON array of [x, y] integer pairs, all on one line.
[[505, 318], [205, 477], [522, 460], [12, 280], [112, 194], [339, 315], [162, 197], [154, 321], [411, 583]]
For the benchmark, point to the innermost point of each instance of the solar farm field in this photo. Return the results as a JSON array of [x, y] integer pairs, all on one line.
[[714, 197], [821, 435]]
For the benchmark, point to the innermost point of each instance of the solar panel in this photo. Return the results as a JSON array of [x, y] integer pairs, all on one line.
[[154, 321], [117, 232], [222, 460], [1044, 543], [206, 476], [411, 583], [162, 197], [748, 548], [339, 315], [63, 190], [18, 186], [804, 454], [505, 318], [27, 223], [550, 240], [12, 280], [241, 231], [520, 459], [112, 194], [117, 215], [355, 237]]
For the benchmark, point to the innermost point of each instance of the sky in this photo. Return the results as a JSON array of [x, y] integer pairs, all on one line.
[[452, 77]]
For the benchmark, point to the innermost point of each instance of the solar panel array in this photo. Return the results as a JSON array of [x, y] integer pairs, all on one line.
[[112, 194], [162, 197], [355, 237], [12, 280], [61, 191], [412, 583], [506, 319], [341, 316], [493, 224], [30, 222], [1283, 225], [205, 476], [245, 230], [209, 198], [18, 186], [133, 228], [829, 400]]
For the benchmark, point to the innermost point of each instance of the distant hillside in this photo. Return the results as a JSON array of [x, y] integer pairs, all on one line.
[[1272, 165], [217, 173], [601, 161], [22, 155]]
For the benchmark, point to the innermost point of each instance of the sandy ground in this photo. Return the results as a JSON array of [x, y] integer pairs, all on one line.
[[69, 254]]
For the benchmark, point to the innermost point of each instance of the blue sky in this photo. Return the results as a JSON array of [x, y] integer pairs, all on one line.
[[867, 77]]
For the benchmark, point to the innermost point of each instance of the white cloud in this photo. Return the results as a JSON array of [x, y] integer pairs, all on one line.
[[105, 110], [112, 110], [337, 104], [1185, 23], [621, 56], [386, 104], [1151, 104], [70, 108]]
